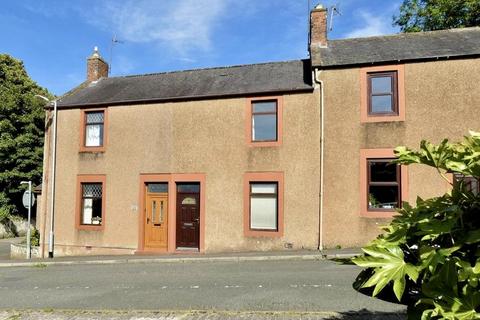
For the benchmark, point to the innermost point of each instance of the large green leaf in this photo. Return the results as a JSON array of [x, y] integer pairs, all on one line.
[[389, 265]]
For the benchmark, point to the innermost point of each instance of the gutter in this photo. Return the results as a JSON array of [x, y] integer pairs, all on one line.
[[322, 156]]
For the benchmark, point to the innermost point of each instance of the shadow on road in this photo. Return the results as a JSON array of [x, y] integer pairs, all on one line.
[[365, 314]]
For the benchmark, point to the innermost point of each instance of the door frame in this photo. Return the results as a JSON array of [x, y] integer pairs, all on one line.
[[144, 179], [171, 179]]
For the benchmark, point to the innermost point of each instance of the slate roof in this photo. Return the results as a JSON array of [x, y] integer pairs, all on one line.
[[241, 80], [399, 47]]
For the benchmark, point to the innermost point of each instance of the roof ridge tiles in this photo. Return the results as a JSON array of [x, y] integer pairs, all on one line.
[[207, 69], [409, 34]]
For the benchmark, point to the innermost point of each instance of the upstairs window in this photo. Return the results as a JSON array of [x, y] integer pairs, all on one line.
[[382, 93], [264, 121], [94, 128]]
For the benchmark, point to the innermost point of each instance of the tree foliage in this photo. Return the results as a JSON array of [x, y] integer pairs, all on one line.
[[428, 15], [429, 256], [22, 126]]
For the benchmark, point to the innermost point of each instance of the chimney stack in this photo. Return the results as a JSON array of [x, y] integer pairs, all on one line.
[[96, 67], [318, 26]]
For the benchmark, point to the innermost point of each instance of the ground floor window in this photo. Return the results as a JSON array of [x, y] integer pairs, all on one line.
[[470, 183], [90, 202], [263, 204], [383, 184]]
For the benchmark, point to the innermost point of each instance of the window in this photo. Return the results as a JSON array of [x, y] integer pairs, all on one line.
[[263, 204], [382, 94], [90, 212], [91, 204], [93, 130], [383, 184], [470, 183], [264, 121]]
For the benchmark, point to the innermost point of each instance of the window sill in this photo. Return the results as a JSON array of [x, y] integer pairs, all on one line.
[[92, 150], [383, 118], [379, 214], [265, 144], [262, 234], [90, 227]]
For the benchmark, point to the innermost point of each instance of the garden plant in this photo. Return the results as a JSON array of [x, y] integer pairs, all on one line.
[[428, 257]]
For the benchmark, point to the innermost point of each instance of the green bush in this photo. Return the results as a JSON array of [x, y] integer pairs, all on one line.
[[429, 257], [35, 238]]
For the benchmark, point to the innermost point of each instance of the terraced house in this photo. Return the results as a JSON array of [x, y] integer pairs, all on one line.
[[273, 156]]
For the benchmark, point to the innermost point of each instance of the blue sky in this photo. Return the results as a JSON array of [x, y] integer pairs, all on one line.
[[54, 37]]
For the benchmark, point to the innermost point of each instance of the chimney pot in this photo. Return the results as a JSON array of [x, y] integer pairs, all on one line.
[[96, 67]]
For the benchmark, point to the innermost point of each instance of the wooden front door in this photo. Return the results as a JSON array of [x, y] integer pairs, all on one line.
[[188, 215], [156, 217]]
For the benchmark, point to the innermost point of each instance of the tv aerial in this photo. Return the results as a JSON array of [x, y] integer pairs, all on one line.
[[334, 11], [113, 42]]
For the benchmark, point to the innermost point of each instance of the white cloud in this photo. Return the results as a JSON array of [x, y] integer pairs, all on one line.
[[372, 25], [184, 26]]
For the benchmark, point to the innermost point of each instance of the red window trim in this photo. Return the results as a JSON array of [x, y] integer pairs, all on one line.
[[83, 115], [365, 155], [252, 177], [365, 117], [248, 122], [90, 178]]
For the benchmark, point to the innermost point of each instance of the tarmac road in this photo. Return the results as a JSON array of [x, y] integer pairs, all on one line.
[[233, 286]]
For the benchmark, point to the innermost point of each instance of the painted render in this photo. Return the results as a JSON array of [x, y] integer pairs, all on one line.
[[441, 100], [206, 136]]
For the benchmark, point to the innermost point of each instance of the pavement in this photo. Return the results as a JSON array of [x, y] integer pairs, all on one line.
[[191, 315], [291, 255], [303, 289], [249, 285]]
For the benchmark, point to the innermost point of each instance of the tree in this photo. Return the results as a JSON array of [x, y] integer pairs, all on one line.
[[22, 123], [428, 15], [428, 257]]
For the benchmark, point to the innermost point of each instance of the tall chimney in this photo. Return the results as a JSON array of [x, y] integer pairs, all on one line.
[[318, 26], [96, 67]]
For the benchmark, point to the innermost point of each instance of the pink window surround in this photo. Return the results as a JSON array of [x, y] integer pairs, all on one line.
[[366, 154], [262, 177], [98, 149], [89, 178], [364, 116], [248, 122], [172, 180]]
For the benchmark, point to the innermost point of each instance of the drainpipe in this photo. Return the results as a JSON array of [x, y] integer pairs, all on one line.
[[322, 153]]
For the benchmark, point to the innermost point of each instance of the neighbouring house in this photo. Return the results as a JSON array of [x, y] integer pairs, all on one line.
[[272, 156]]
